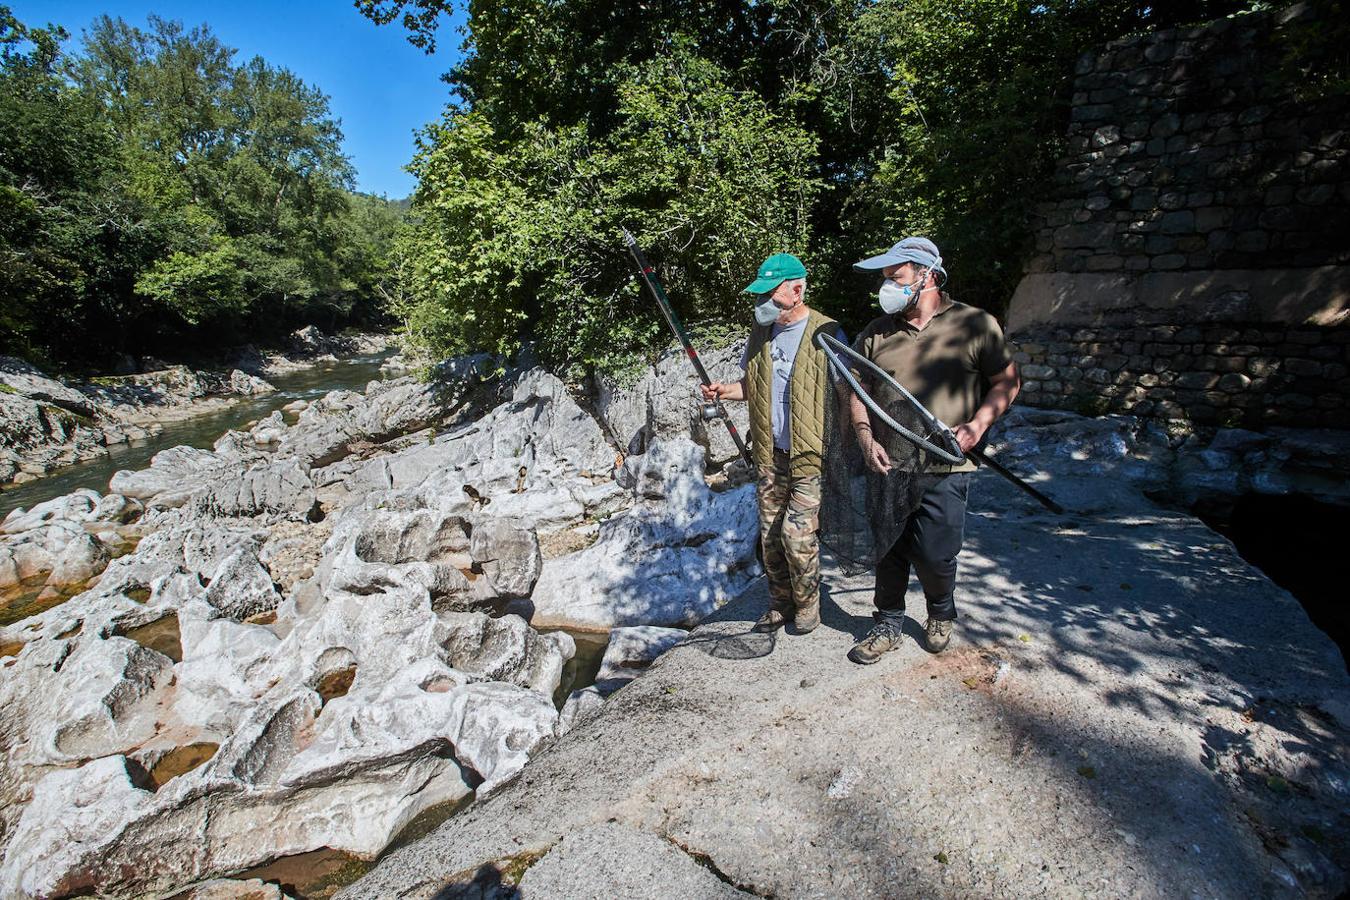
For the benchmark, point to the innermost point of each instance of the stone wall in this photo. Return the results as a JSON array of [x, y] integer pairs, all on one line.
[[1194, 262], [1211, 374]]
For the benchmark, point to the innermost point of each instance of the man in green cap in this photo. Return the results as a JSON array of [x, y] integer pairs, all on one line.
[[787, 384]]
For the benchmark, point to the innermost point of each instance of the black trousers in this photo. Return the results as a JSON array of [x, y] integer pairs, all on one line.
[[930, 543]]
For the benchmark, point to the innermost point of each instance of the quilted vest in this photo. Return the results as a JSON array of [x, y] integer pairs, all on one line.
[[808, 391]]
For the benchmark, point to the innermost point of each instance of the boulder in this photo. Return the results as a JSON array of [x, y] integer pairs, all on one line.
[[507, 550], [631, 651], [582, 705], [280, 489], [101, 704], [328, 427], [239, 586], [668, 561], [26, 380], [173, 476], [507, 649], [75, 507], [665, 402]]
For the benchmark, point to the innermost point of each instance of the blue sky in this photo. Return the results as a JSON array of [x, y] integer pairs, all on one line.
[[380, 86]]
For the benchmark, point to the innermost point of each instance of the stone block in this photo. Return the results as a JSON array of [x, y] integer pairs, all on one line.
[[1106, 135], [1211, 218], [1305, 368], [1180, 222], [1201, 381], [1166, 125], [1104, 263]]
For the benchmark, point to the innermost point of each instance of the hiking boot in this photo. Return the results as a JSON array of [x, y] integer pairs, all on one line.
[[807, 618], [883, 636], [772, 620], [939, 634]]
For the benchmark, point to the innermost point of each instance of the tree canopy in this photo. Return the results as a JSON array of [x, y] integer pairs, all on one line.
[[155, 193], [722, 131]]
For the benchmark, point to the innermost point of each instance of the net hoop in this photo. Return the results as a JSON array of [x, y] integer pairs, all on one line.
[[832, 347]]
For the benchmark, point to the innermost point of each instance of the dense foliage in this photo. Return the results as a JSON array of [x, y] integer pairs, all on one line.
[[723, 130], [157, 196]]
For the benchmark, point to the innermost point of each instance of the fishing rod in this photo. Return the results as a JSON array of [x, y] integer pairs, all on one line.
[[950, 453], [668, 313]]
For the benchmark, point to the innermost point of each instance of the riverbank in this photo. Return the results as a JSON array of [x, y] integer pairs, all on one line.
[[327, 631], [48, 424]]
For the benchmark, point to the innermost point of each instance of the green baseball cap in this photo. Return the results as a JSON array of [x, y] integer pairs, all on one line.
[[776, 269]]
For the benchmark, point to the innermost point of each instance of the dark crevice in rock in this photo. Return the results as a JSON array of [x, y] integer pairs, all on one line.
[[706, 862], [428, 820], [314, 874], [1296, 541]]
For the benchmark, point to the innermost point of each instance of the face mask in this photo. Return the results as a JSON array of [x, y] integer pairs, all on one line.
[[895, 298], [766, 312]]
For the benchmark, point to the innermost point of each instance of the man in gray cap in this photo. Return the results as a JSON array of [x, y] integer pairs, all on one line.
[[953, 359], [785, 383]]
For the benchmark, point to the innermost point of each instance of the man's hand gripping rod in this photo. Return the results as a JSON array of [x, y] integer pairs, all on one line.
[[949, 450], [668, 313]]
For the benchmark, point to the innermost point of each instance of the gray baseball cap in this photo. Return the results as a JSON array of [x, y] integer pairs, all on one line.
[[918, 250]]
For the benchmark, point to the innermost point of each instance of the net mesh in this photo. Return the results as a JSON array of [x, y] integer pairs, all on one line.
[[863, 512]]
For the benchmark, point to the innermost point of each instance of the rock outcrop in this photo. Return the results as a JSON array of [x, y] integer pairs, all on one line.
[[1127, 709], [315, 633], [206, 704]]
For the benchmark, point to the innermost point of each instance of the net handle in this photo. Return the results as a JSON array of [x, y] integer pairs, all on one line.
[[831, 346]]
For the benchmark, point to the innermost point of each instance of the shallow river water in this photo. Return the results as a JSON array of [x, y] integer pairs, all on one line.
[[199, 431]]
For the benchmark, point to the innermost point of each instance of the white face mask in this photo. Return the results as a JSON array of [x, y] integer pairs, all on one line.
[[766, 311], [896, 298]]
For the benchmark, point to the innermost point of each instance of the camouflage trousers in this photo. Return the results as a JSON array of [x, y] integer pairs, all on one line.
[[789, 517]]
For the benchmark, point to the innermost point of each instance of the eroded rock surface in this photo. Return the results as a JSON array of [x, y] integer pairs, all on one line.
[[309, 647], [1104, 724]]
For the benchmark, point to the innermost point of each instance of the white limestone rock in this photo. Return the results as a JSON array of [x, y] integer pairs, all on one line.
[[507, 550], [274, 489], [174, 475], [507, 649], [631, 651], [97, 705], [240, 586], [668, 562]]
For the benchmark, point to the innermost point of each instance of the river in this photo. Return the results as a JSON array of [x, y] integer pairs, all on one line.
[[309, 383]]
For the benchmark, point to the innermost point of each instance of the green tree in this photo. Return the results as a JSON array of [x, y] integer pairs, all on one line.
[[156, 195], [924, 116], [53, 152], [516, 238]]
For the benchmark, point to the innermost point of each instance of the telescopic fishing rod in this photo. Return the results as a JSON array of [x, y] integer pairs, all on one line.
[[948, 450], [667, 312]]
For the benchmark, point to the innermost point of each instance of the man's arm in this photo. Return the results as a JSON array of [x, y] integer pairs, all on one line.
[[853, 412], [1003, 389]]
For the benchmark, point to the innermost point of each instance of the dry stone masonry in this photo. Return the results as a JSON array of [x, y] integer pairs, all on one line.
[[1194, 263]]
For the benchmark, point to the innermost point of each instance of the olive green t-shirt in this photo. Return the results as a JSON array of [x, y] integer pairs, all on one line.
[[946, 366]]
